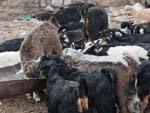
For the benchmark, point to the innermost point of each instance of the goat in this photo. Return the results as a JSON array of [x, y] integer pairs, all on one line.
[[143, 77], [11, 45], [97, 21], [42, 40], [101, 83], [64, 15], [73, 96], [141, 16], [120, 37], [125, 72], [72, 38], [135, 29], [66, 96]]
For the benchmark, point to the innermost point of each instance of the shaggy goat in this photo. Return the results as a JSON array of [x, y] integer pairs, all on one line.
[[101, 84], [41, 41], [97, 21], [66, 96]]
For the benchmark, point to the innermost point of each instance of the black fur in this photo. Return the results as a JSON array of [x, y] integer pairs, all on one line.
[[70, 27], [143, 77], [98, 21], [11, 45], [62, 95], [131, 39], [68, 15], [101, 84]]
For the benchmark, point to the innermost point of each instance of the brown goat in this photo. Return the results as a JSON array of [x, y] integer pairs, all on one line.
[[41, 41]]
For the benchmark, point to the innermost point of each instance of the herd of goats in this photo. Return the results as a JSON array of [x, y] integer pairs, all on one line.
[[89, 67]]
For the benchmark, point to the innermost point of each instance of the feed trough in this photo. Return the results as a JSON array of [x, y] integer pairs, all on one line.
[[12, 84]]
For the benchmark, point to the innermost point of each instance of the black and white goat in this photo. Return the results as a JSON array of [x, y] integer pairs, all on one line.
[[131, 39], [129, 28]]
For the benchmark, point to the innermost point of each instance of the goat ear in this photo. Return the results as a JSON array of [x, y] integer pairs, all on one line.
[[83, 88]]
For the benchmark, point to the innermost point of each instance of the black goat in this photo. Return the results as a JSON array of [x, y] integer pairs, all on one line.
[[98, 21], [101, 84], [65, 96], [143, 77], [11, 45]]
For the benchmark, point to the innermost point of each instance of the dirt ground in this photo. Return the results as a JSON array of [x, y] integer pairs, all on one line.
[[13, 25], [22, 105]]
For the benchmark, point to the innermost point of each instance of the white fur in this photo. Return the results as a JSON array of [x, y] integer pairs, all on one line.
[[125, 30], [115, 55], [9, 59], [92, 58], [36, 97], [134, 52], [118, 34], [20, 72], [66, 38], [141, 31], [138, 6], [64, 30], [87, 46], [38, 60]]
